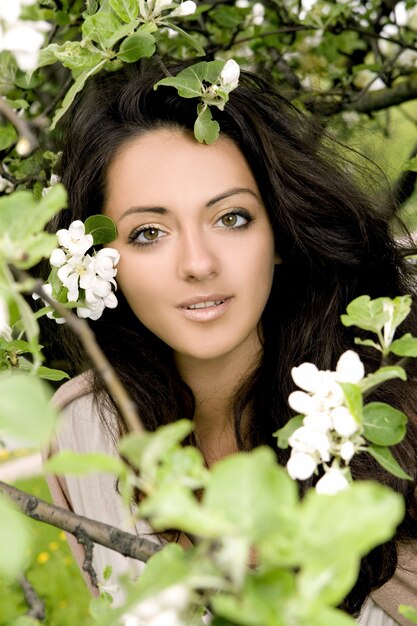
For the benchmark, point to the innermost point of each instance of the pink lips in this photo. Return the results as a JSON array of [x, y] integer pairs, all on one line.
[[205, 313]]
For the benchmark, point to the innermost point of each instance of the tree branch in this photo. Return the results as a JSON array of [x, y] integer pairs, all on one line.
[[27, 140], [118, 540], [368, 103], [101, 363], [36, 606]]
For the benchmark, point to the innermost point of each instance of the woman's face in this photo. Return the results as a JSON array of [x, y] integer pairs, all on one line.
[[196, 246]]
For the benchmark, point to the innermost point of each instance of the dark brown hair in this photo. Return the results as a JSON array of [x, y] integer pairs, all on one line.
[[333, 239]]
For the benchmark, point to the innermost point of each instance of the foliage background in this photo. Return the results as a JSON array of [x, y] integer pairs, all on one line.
[[351, 64]]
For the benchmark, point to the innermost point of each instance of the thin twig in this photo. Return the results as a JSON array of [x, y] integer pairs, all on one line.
[[104, 368], [118, 540], [36, 606], [21, 126]]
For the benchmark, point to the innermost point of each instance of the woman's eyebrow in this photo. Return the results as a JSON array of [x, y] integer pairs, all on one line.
[[159, 210], [232, 192]]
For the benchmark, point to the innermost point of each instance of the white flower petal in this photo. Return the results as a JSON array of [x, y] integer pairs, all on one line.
[[110, 301], [343, 422], [306, 376], [350, 368], [185, 8], [319, 421], [229, 76], [302, 402], [301, 466], [332, 482], [58, 257], [347, 450]]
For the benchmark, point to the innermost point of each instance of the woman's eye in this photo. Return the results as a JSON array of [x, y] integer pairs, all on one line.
[[233, 220], [147, 235]]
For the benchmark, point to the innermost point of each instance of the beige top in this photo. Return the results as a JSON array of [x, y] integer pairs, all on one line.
[[94, 496]]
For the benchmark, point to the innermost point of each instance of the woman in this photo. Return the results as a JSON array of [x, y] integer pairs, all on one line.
[[236, 262]]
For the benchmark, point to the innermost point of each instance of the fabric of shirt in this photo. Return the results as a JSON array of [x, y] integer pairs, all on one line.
[[95, 496]]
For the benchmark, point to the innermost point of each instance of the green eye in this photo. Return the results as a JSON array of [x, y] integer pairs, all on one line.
[[150, 234], [229, 220]]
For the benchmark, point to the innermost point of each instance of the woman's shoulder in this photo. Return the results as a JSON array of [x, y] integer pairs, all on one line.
[[74, 389]]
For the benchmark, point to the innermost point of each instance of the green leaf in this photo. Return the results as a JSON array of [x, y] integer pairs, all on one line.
[[330, 557], [47, 55], [137, 46], [383, 424], [353, 397], [409, 612], [8, 136], [72, 92], [191, 40], [252, 492], [146, 450], [385, 458], [21, 216], [410, 165], [385, 373], [263, 601], [14, 539], [173, 506], [405, 346], [327, 616], [106, 28], [367, 342], [102, 228], [78, 464], [127, 10], [206, 130], [25, 407], [51, 374], [76, 57], [286, 431], [187, 83], [366, 313]]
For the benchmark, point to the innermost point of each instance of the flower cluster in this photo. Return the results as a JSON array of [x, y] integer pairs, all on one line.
[[330, 433], [87, 278], [23, 38], [152, 9], [164, 609]]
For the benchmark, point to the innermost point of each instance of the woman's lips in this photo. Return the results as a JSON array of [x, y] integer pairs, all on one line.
[[205, 309]]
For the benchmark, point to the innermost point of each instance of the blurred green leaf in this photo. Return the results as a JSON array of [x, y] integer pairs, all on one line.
[[383, 424], [387, 461], [26, 411]]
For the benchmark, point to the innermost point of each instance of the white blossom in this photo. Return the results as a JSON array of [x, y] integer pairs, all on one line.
[[74, 239], [242, 4], [24, 40], [343, 422], [5, 330], [333, 481], [185, 8], [301, 465], [78, 272], [229, 76], [258, 14], [58, 257], [347, 450], [88, 278], [349, 368], [329, 430]]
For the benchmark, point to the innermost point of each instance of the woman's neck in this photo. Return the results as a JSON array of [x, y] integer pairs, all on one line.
[[214, 384]]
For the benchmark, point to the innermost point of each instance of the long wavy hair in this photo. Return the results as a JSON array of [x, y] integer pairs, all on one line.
[[333, 238]]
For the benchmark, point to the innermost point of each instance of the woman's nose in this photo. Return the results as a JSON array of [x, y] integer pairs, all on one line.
[[197, 258]]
